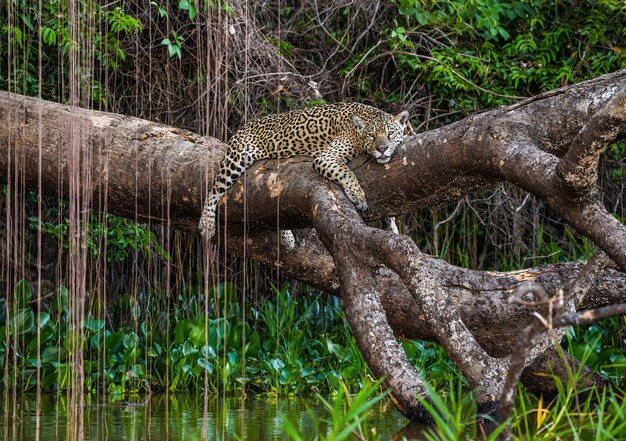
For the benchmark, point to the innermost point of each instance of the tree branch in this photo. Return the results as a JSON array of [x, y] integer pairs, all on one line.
[[579, 167]]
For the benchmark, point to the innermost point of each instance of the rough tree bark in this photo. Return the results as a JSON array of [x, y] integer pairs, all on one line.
[[548, 145]]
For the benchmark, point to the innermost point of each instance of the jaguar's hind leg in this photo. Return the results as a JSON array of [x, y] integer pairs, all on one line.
[[287, 240], [389, 224]]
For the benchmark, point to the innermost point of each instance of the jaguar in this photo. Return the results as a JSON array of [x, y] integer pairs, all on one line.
[[332, 134]]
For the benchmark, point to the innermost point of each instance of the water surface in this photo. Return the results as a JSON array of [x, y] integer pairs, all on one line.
[[184, 417]]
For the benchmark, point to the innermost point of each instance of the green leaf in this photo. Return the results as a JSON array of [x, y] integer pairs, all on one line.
[[49, 37], [131, 355], [139, 370], [182, 331], [174, 50], [53, 353], [208, 366], [233, 357], [94, 325], [197, 334], [23, 293], [44, 319], [334, 348], [422, 19], [276, 364], [113, 342], [154, 351], [188, 348], [209, 352], [22, 322], [130, 341], [27, 22], [290, 374], [185, 5], [193, 12]]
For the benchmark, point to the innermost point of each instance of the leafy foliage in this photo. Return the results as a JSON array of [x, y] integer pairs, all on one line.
[[599, 415], [21, 27], [601, 346], [116, 236], [173, 45], [276, 351], [498, 50]]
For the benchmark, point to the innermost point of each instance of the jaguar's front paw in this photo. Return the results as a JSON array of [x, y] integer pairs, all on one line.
[[357, 198], [361, 206]]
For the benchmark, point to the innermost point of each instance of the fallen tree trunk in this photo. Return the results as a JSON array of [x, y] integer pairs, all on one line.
[[153, 172]]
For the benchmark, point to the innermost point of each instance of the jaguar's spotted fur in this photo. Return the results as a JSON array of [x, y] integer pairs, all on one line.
[[332, 134]]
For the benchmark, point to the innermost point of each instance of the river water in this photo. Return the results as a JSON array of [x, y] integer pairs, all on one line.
[[188, 418]]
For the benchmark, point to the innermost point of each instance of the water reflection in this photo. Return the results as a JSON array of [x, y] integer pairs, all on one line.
[[183, 417]]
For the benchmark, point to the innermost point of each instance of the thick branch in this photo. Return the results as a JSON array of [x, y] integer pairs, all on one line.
[[480, 296], [402, 256], [137, 160], [579, 166], [343, 233]]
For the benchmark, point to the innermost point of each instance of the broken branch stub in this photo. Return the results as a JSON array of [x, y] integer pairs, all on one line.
[[528, 338]]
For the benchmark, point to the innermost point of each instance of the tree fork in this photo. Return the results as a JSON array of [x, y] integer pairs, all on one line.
[[358, 250]]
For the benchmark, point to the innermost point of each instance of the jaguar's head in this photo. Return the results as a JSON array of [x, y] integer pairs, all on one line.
[[382, 136]]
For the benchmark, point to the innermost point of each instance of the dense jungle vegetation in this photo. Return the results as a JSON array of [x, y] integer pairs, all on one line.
[[149, 325]]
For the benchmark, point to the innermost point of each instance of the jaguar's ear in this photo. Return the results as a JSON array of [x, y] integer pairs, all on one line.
[[359, 123], [402, 118]]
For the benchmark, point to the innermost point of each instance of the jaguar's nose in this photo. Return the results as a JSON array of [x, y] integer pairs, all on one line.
[[381, 148]]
